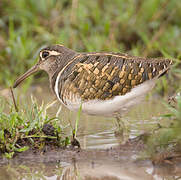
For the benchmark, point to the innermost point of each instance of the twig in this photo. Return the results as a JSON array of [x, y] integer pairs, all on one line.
[[14, 102]]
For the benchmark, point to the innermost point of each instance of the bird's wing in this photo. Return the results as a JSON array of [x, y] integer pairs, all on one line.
[[106, 75]]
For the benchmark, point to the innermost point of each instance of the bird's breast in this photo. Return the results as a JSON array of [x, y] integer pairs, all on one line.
[[108, 107]]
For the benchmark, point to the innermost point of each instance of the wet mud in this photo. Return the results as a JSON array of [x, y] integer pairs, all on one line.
[[120, 162]]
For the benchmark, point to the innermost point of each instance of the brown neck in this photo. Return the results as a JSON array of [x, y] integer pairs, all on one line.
[[55, 68]]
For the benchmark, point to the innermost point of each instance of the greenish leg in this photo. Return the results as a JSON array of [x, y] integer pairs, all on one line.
[[120, 123], [122, 131], [120, 127]]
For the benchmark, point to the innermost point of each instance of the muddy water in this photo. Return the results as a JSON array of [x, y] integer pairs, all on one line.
[[98, 132], [93, 167], [93, 133]]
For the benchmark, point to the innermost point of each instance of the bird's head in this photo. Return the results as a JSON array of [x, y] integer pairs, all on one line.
[[50, 59]]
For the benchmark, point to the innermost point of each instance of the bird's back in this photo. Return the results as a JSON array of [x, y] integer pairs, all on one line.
[[105, 82]]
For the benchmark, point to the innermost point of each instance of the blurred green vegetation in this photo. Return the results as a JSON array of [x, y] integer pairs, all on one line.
[[145, 28]]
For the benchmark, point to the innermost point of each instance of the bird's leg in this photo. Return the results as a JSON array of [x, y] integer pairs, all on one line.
[[120, 125], [122, 129]]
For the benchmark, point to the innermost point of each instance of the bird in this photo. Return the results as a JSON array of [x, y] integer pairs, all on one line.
[[103, 83]]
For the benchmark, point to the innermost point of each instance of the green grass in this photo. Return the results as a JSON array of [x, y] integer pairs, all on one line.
[[144, 28], [30, 127]]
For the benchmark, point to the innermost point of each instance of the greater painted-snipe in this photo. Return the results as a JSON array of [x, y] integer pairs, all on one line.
[[105, 84]]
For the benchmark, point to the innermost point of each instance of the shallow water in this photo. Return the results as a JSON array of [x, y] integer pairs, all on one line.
[[98, 132], [94, 133], [90, 169]]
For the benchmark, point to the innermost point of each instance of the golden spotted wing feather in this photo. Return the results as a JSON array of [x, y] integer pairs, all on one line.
[[106, 75]]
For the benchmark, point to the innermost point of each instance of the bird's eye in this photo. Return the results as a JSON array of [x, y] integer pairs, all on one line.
[[45, 54]]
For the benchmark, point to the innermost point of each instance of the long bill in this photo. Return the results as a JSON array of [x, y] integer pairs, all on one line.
[[34, 69]]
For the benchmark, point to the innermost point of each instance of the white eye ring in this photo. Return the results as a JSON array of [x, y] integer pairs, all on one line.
[[46, 53]]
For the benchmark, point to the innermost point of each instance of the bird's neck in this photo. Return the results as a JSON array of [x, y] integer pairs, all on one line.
[[58, 67]]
